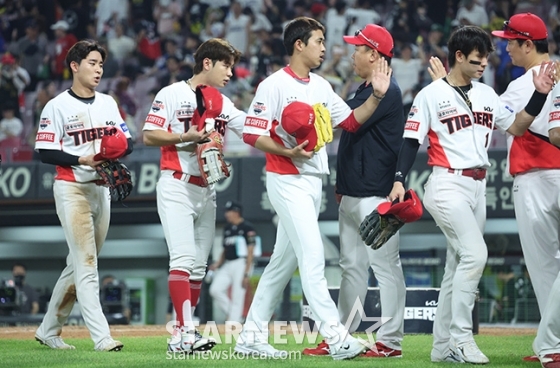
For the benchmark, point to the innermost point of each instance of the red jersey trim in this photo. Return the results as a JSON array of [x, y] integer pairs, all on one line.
[[65, 173], [530, 152], [170, 157], [350, 124], [289, 70], [436, 154], [277, 163]]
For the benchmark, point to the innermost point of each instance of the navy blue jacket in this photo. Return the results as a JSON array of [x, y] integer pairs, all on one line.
[[367, 159]]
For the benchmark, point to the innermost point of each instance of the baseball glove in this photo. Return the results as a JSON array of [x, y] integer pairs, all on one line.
[[377, 229], [117, 177], [211, 162], [323, 126]]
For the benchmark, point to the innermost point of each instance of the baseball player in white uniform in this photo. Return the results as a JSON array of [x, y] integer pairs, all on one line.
[[533, 160], [186, 206], [547, 342], [459, 116], [294, 184], [70, 131]]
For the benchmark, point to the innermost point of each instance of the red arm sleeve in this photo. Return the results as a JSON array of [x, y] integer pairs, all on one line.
[[250, 139], [350, 124]]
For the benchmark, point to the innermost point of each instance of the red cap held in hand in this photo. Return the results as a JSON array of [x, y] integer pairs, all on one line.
[[298, 120], [209, 103], [113, 145], [409, 210]]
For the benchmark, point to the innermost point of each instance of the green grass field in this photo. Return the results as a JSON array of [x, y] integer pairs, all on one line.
[[503, 351]]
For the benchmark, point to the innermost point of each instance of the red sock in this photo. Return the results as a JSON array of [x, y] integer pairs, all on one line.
[[180, 291], [195, 292]]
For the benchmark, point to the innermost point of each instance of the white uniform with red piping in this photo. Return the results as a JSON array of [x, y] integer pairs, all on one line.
[[458, 140], [186, 209], [535, 164], [295, 190], [83, 207]]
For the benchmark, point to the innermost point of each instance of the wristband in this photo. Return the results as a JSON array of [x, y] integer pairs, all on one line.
[[399, 177], [536, 103], [378, 98]]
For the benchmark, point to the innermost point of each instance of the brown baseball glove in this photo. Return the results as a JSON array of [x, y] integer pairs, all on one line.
[[117, 177], [213, 168]]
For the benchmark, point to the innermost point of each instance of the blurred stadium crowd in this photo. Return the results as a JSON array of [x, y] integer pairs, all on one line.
[[151, 44]]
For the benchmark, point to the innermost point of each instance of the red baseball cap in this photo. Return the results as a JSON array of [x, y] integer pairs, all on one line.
[[113, 145], [409, 210], [526, 26], [209, 103], [374, 36], [298, 120]]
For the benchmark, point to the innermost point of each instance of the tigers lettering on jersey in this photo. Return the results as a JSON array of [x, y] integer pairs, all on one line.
[[456, 123], [87, 135]]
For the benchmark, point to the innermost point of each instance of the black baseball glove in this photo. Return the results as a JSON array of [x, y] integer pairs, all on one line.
[[117, 177], [377, 229]]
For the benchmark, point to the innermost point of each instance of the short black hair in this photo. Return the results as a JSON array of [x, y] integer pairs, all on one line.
[[468, 39], [300, 29], [540, 45], [81, 50]]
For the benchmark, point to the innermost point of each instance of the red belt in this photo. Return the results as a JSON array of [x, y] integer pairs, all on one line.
[[476, 174], [98, 182], [191, 179]]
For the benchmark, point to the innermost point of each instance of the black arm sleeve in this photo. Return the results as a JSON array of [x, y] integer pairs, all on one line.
[[407, 154], [56, 157]]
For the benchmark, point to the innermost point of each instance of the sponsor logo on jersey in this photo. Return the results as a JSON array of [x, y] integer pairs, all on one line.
[[223, 117], [73, 126], [45, 137], [156, 120], [447, 112], [184, 113], [412, 112], [124, 128], [256, 123], [556, 101], [553, 116], [44, 122], [110, 123], [259, 107], [488, 109], [412, 125], [157, 105], [73, 119], [444, 104], [509, 108]]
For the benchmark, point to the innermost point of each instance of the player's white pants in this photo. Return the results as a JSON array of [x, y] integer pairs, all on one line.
[[355, 260], [548, 334], [296, 199], [537, 211], [458, 206], [231, 273], [84, 211], [188, 217]]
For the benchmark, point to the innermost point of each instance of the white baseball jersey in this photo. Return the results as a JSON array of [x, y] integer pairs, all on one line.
[[458, 137], [531, 151], [69, 124], [172, 111], [272, 96], [554, 115]]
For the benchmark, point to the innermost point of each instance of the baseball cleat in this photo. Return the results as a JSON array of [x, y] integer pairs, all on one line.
[[202, 343], [260, 349], [349, 349], [108, 344], [470, 353], [449, 357], [321, 349], [531, 358], [382, 351], [551, 361], [181, 340], [54, 343]]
